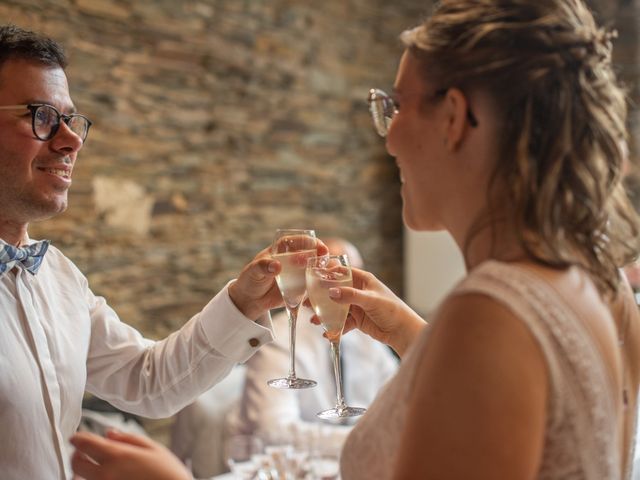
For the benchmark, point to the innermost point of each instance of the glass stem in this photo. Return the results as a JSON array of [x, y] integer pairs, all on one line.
[[293, 318], [335, 357]]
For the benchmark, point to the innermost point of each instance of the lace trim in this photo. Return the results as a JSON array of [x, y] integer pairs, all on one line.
[[577, 372]]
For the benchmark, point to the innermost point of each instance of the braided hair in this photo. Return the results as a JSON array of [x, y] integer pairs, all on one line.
[[547, 67]]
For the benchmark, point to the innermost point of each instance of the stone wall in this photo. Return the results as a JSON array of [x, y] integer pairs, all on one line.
[[624, 16], [216, 122]]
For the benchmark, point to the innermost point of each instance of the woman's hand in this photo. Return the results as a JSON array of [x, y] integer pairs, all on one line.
[[378, 312], [122, 455]]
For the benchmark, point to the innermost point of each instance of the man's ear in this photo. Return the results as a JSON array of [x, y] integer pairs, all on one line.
[[457, 107]]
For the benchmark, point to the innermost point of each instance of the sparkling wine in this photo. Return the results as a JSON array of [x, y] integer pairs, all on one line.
[[291, 278], [332, 315]]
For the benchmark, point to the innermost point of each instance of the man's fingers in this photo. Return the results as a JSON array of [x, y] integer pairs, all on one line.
[[92, 445], [129, 438], [84, 466], [264, 268]]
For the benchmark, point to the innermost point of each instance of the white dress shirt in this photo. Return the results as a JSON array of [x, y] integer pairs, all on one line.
[[59, 339]]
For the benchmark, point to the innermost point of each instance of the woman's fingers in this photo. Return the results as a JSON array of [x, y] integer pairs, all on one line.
[[350, 324], [315, 319], [362, 298]]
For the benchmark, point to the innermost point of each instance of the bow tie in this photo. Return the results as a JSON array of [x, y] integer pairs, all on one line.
[[29, 257]]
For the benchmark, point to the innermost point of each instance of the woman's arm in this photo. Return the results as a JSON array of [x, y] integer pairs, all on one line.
[[478, 408]]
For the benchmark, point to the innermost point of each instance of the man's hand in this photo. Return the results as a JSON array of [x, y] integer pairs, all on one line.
[[255, 290], [122, 455]]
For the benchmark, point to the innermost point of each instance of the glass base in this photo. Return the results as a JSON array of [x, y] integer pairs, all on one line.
[[292, 383], [341, 412]]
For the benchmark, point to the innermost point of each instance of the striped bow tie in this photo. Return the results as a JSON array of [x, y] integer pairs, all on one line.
[[29, 257]]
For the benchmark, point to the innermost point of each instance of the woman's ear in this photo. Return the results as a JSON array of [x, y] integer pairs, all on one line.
[[457, 106]]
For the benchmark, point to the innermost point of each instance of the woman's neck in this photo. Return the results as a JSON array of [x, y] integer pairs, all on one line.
[[489, 240]]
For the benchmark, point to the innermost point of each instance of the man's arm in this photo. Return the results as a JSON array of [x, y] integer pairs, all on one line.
[[157, 379]]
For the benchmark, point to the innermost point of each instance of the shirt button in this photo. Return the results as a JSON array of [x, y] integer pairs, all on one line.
[[254, 342]]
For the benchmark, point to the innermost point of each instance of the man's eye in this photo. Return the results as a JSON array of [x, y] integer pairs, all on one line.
[[45, 116]]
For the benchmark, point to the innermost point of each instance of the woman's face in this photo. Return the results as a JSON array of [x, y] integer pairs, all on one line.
[[416, 139]]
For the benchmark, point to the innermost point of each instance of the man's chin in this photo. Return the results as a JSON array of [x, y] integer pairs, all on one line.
[[49, 211]]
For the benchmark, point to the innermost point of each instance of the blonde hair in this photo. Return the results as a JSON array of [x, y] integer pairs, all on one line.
[[547, 67]]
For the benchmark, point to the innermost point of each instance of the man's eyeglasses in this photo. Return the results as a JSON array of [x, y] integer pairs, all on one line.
[[45, 120], [383, 108]]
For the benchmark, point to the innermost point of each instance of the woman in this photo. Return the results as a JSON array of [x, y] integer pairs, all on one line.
[[508, 132], [507, 125]]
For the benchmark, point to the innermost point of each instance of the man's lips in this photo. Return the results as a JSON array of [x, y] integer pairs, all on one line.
[[61, 171]]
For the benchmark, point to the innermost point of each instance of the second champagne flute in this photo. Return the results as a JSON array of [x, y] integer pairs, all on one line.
[[324, 273], [292, 248]]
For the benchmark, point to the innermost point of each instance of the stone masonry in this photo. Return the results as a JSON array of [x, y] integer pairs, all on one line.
[[218, 121]]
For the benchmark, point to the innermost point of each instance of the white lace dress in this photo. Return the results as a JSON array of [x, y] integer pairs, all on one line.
[[581, 440]]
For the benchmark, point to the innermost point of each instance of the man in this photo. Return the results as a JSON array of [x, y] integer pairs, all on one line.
[[58, 338], [272, 413]]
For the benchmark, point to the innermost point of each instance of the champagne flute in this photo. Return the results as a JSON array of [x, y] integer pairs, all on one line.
[[323, 273], [292, 247]]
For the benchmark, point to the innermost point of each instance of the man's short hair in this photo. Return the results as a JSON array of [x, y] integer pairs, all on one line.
[[19, 44]]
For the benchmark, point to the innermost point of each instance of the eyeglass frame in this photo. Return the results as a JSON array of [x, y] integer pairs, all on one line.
[[33, 108], [383, 128]]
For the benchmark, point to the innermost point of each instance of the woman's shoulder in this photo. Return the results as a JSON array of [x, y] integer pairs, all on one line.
[[482, 320], [532, 282], [526, 304]]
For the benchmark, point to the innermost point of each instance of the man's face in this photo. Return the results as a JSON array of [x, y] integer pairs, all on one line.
[[35, 175]]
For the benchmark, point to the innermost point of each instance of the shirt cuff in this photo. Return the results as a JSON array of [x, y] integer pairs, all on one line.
[[230, 332]]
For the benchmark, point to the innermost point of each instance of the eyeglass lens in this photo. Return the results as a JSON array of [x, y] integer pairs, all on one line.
[[46, 121], [382, 108]]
